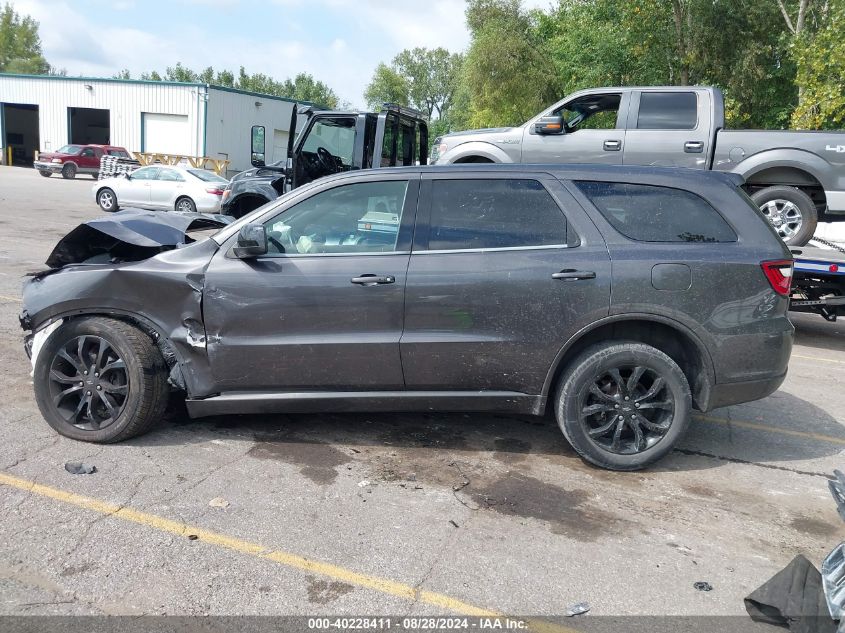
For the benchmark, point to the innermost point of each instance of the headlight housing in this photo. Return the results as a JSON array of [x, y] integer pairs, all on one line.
[[56, 160], [438, 148]]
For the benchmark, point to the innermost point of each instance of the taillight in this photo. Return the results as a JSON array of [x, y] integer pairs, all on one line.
[[779, 274], [217, 191]]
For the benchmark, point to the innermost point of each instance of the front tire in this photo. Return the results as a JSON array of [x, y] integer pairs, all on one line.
[[107, 200], [100, 380], [186, 205], [69, 171], [623, 405], [45, 173], [791, 211]]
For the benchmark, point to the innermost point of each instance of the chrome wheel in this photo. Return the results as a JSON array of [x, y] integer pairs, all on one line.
[[106, 200], [185, 205], [88, 383], [784, 215], [627, 410]]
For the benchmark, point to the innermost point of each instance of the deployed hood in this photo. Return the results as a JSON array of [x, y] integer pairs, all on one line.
[[130, 235]]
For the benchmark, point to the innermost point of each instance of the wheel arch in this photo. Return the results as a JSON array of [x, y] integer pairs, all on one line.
[[669, 336], [475, 149], [246, 196], [794, 168], [174, 359]]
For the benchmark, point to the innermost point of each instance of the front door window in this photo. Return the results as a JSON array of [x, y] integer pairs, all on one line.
[[357, 218], [328, 149]]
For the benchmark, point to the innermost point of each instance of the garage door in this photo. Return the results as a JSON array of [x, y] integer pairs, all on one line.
[[280, 145], [166, 134]]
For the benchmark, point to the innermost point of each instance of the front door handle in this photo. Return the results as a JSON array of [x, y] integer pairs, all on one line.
[[694, 147], [369, 279], [568, 274], [612, 146]]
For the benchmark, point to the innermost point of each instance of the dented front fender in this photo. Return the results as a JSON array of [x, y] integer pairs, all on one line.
[[163, 294]]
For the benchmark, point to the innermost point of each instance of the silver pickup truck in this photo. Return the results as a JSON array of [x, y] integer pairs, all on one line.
[[797, 178]]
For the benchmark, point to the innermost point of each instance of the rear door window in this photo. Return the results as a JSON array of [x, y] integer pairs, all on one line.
[[667, 111], [649, 213], [483, 213]]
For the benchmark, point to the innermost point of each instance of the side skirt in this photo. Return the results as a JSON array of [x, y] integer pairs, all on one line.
[[245, 402]]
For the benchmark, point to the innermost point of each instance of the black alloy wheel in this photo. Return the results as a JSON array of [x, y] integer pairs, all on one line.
[[89, 383], [627, 409]]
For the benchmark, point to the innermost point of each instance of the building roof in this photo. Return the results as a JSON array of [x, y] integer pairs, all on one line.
[[153, 82]]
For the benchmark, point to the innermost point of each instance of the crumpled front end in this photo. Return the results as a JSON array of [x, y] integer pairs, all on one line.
[[131, 270]]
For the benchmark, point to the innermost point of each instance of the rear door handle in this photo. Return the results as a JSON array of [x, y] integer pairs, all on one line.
[[694, 147], [569, 274], [612, 146], [369, 279]]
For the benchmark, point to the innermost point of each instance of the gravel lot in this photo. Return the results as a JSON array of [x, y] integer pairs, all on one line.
[[397, 514]]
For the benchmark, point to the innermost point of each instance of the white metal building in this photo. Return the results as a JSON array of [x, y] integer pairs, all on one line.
[[40, 112]]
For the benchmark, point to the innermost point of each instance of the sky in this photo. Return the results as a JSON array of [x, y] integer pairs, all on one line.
[[340, 42]]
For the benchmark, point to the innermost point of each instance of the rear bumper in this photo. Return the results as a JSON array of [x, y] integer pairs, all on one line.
[[728, 393]]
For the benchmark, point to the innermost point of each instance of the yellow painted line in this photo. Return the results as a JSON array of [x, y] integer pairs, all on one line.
[[285, 559], [8, 298], [826, 360], [772, 429]]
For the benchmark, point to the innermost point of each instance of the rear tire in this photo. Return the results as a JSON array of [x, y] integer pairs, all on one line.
[[186, 205], [100, 380], [791, 211], [69, 171], [599, 415], [107, 199], [45, 173]]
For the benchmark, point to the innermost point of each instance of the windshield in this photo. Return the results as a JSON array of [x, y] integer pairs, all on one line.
[[69, 149], [206, 176]]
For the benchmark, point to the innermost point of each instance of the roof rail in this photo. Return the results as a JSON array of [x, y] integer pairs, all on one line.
[[395, 107]]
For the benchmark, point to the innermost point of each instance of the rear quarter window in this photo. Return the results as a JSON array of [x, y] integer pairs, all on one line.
[[649, 213]]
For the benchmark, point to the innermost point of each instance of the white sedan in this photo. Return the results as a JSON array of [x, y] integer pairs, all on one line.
[[162, 188]]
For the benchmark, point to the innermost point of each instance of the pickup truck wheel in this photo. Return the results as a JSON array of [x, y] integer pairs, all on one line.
[[623, 405], [45, 173], [69, 171], [100, 380], [791, 211]]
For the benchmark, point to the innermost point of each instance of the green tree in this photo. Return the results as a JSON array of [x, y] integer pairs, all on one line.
[[431, 77], [821, 73], [737, 45], [304, 87], [387, 86], [508, 71], [20, 45]]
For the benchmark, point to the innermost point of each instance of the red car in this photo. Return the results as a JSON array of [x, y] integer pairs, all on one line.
[[76, 159]]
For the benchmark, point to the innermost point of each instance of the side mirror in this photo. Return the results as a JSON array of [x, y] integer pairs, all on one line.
[[257, 146], [252, 242], [549, 125]]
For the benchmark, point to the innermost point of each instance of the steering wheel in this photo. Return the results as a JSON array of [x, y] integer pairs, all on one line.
[[285, 241], [326, 160]]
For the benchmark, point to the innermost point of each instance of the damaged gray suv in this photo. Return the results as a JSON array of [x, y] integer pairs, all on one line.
[[619, 298]]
